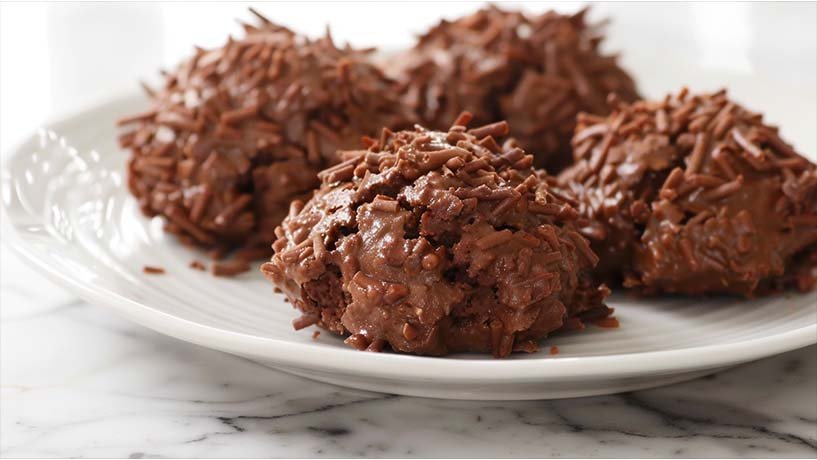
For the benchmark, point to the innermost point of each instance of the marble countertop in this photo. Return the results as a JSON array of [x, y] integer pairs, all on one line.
[[79, 381]]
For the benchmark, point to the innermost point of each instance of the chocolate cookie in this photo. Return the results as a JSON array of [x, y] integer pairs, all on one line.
[[536, 71], [239, 131], [695, 194], [436, 242]]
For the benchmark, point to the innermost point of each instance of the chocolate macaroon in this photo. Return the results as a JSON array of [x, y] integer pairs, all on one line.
[[239, 131], [535, 71], [695, 194], [436, 242]]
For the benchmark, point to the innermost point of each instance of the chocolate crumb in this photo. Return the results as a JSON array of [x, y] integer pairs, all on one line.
[[196, 265], [151, 270], [230, 267], [607, 323], [357, 341]]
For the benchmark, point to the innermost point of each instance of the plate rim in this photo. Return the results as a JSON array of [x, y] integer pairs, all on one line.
[[384, 365]]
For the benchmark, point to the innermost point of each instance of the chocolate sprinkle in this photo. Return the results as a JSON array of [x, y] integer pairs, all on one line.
[[153, 270], [197, 265]]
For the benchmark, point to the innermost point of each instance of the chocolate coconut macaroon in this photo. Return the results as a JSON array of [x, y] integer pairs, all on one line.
[[237, 132], [535, 71], [436, 242], [695, 194]]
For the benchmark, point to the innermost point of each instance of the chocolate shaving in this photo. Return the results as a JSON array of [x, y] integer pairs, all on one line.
[[497, 129], [150, 270], [304, 321], [230, 267]]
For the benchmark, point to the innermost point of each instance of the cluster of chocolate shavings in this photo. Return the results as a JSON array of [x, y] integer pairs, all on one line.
[[537, 72], [239, 131], [437, 242], [695, 194]]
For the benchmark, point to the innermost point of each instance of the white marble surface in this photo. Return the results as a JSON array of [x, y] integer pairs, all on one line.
[[78, 381]]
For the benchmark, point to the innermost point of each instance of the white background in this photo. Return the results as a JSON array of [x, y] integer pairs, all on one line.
[[58, 57]]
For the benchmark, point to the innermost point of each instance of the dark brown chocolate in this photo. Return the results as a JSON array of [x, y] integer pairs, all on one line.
[[151, 270], [695, 194], [239, 131], [535, 71], [436, 242]]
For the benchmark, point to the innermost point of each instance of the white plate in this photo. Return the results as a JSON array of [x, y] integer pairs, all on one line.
[[68, 213]]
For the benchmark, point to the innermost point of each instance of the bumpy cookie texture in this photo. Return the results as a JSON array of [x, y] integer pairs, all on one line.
[[436, 242], [536, 72], [695, 194], [237, 132]]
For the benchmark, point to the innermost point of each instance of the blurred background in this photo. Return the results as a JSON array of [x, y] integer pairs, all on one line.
[[56, 58]]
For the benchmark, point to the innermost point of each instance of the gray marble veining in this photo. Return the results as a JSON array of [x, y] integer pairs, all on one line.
[[79, 381]]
